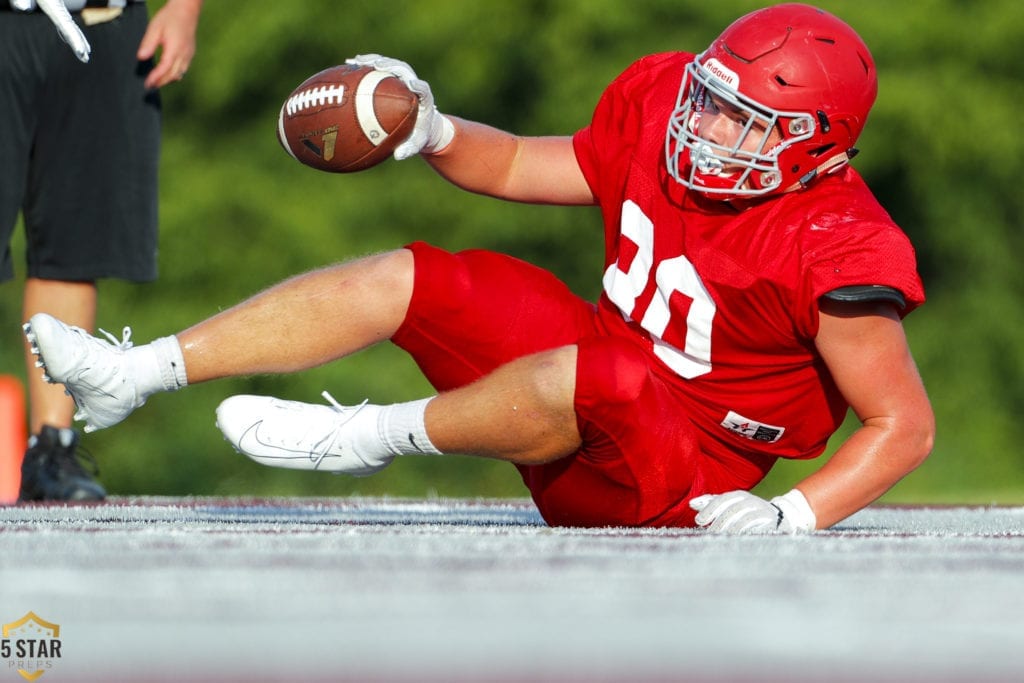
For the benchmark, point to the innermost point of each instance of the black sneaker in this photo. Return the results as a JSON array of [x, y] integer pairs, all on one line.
[[51, 469]]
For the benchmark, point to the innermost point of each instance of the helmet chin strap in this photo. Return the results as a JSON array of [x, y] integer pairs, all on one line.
[[830, 165]]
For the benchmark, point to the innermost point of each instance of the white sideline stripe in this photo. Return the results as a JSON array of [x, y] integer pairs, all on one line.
[[365, 114]]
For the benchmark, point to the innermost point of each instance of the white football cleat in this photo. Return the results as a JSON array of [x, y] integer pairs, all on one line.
[[92, 370], [303, 436]]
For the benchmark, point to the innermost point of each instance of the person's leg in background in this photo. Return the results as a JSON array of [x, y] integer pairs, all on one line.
[[90, 212], [51, 469]]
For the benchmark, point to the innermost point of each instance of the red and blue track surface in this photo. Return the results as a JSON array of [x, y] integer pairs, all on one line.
[[357, 589]]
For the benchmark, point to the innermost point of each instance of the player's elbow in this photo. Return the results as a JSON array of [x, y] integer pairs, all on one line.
[[918, 436], [907, 437], [927, 440]]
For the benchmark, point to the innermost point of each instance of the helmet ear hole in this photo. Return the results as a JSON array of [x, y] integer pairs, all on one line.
[[800, 126], [770, 180]]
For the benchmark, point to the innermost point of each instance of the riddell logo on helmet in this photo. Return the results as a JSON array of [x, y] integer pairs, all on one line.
[[722, 73]]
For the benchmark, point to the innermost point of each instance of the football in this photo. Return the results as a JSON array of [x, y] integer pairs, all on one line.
[[346, 118]]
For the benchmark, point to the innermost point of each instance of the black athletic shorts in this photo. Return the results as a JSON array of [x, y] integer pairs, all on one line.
[[79, 150]]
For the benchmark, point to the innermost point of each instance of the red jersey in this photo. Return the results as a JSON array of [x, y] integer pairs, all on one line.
[[726, 300]]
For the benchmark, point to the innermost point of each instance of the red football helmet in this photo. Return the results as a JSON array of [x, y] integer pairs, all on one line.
[[793, 69]]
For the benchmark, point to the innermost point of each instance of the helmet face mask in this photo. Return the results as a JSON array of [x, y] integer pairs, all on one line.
[[743, 166], [798, 84]]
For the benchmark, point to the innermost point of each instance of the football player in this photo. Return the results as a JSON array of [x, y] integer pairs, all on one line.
[[753, 293]]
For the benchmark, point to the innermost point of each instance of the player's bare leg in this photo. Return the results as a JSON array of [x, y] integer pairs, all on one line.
[[302, 322], [523, 412], [305, 321]]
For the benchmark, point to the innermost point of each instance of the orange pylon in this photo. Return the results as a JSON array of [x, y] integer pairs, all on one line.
[[13, 437]]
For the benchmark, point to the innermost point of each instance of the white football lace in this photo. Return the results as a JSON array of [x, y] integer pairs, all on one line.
[[123, 345], [126, 338], [322, 448], [126, 343]]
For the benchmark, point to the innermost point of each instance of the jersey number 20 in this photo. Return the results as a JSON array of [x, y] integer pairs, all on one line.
[[688, 353]]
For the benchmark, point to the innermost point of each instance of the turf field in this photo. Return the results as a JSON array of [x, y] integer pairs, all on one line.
[[200, 589]]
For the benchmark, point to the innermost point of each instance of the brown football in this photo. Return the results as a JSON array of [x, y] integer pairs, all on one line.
[[346, 118]]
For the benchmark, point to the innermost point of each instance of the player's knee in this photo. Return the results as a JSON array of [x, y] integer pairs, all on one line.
[[611, 370], [395, 264], [551, 378], [382, 282]]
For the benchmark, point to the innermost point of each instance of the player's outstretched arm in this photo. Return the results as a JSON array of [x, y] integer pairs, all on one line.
[[541, 170], [866, 351], [483, 159]]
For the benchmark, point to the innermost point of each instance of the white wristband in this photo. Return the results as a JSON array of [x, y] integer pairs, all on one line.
[[442, 131], [797, 515]]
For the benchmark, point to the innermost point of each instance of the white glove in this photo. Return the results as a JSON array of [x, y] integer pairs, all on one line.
[[66, 27], [433, 131], [741, 512]]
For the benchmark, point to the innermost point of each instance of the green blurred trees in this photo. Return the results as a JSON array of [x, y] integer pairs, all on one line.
[[942, 150]]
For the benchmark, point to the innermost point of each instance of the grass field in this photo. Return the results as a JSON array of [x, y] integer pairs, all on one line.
[[369, 589]]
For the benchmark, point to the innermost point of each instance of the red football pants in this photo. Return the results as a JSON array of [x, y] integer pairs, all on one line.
[[476, 310]]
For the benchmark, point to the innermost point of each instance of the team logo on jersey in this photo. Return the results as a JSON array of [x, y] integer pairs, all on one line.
[[751, 429]]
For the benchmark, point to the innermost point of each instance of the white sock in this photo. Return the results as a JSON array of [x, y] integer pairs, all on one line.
[[402, 429], [172, 363], [157, 366]]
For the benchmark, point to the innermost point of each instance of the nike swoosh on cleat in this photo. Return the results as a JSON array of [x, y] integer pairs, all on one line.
[[250, 444]]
